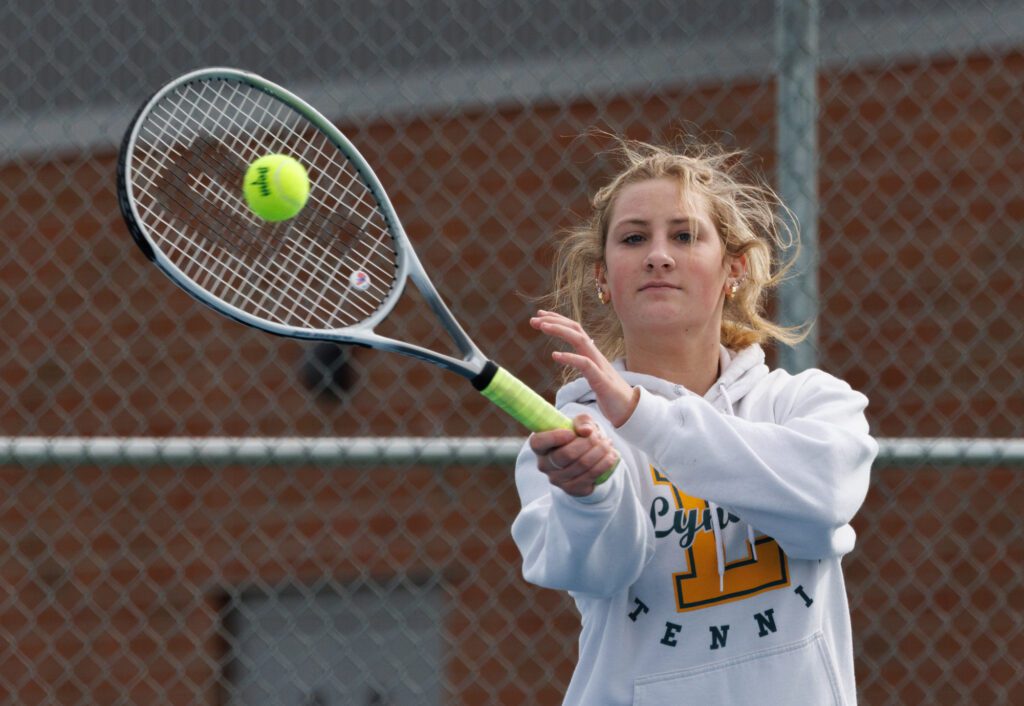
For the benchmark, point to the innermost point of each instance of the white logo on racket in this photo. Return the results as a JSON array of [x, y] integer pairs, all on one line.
[[359, 281]]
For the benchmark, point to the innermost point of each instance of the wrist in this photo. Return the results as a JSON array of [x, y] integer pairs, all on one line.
[[628, 408]]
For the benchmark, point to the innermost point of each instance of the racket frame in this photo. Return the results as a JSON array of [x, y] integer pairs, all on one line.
[[473, 363], [493, 382]]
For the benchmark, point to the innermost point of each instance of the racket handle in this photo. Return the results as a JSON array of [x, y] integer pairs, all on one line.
[[524, 405]]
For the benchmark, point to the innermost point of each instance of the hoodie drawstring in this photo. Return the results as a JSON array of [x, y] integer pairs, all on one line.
[[719, 545], [728, 400], [715, 524]]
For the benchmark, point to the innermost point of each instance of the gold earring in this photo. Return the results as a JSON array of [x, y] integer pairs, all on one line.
[[733, 289], [601, 297]]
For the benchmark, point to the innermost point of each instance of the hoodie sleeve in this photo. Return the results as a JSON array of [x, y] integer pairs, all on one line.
[[597, 545], [799, 479]]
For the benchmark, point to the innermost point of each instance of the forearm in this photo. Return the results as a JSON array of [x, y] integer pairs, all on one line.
[[596, 545], [800, 481]]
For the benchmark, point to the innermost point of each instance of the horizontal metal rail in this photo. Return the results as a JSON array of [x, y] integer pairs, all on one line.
[[363, 451]]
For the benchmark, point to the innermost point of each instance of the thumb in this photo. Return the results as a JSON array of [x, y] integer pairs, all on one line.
[[583, 425]]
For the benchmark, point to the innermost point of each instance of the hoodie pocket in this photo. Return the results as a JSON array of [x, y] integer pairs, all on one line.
[[799, 673]]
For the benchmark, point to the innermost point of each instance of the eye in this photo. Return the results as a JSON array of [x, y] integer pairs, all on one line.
[[684, 236], [632, 238]]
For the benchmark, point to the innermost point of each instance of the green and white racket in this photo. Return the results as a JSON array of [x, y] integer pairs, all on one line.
[[332, 272]]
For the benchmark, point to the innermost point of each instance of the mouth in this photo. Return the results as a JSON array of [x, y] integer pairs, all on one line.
[[657, 286]]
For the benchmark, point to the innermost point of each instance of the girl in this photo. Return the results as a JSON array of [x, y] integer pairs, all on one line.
[[706, 566]]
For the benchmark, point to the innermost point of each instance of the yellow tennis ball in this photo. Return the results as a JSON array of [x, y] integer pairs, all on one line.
[[276, 187]]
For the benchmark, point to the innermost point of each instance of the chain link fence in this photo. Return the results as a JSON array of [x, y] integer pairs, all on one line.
[[391, 578]]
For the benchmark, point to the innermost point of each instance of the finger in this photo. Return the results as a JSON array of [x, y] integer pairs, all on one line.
[[598, 377], [581, 485], [583, 363], [551, 317], [575, 457], [573, 335], [548, 317], [610, 461], [557, 470], [563, 460], [581, 478], [552, 314], [593, 460], [584, 425], [552, 468], [584, 483], [543, 442], [570, 332]]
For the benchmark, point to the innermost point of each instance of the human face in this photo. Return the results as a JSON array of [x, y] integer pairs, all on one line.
[[664, 265]]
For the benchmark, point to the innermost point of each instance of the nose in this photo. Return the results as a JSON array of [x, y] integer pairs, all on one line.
[[658, 259]]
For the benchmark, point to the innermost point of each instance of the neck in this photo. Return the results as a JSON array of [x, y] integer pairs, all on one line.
[[690, 359]]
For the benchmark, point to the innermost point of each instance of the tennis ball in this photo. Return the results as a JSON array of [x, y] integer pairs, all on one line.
[[276, 187]]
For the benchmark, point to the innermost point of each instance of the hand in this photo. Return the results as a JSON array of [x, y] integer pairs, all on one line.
[[573, 459], [615, 397]]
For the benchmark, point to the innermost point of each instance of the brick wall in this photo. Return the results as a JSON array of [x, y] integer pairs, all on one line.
[[117, 576]]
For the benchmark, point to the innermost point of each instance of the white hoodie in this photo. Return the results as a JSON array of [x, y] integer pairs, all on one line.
[[675, 608]]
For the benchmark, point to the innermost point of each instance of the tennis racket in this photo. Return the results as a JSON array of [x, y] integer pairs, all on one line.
[[331, 273]]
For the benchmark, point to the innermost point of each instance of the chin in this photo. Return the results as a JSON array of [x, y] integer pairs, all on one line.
[[667, 322], [670, 315]]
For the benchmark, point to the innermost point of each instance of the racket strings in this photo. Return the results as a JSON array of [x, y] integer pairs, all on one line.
[[331, 266], [228, 234], [355, 197], [248, 152], [204, 271]]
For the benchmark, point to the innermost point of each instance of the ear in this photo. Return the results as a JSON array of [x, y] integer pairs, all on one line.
[[737, 267], [599, 273]]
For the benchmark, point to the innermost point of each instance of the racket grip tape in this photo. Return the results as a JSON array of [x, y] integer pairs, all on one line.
[[524, 405]]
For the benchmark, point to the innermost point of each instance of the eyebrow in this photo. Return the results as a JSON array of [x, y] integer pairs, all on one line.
[[643, 222]]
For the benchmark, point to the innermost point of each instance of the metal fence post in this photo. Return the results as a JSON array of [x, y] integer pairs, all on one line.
[[797, 144]]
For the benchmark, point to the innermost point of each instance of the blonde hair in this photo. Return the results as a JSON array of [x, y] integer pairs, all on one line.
[[745, 212]]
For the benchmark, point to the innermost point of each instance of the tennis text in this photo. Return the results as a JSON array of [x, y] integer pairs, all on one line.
[[761, 624]]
